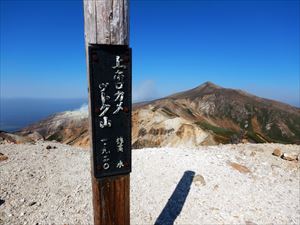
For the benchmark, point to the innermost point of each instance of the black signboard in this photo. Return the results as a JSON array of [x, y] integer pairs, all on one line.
[[110, 94]]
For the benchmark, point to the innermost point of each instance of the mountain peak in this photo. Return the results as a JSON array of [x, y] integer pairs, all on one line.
[[209, 85], [197, 91]]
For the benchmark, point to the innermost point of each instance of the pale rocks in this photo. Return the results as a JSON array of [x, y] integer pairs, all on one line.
[[250, 223], [3, 157], [290, 156], [239, 167], [286, 156], [277, 152], [199, 180]]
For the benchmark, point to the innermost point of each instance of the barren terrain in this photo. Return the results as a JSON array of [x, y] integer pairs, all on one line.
[[225, 184]]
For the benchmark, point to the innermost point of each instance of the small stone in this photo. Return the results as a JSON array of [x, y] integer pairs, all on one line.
[[32, 203], [250, 223], [239, 167], [277, 152], [219, 156], [245, 141], [213, 208], [290, 156], [199, 180], [3, 157]]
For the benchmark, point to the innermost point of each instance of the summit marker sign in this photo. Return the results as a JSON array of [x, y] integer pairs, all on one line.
[[106, 31], [110, 90]]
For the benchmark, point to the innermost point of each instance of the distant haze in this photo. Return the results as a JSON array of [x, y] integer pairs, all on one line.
[[18, 113]]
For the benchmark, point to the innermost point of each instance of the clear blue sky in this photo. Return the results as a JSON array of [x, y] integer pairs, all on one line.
[[177, 45]]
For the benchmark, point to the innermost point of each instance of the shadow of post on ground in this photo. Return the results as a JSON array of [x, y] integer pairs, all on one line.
[[175, 203]]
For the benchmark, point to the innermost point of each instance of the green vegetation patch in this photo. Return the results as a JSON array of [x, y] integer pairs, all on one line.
[[168, 112], [189, 112], [253, 136], [217, 130], [55, 137]]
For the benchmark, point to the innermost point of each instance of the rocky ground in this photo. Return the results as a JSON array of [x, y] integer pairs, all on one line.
[[226, 184]]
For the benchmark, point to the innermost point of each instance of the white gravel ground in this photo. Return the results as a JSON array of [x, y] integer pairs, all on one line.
[[40, 186]]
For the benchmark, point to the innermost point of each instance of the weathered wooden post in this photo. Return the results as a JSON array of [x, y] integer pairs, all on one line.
[[106, 24]]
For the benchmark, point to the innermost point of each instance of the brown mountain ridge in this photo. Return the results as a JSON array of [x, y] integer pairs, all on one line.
[[205, 115]]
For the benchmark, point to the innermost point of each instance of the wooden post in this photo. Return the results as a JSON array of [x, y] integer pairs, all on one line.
[[107, 22]]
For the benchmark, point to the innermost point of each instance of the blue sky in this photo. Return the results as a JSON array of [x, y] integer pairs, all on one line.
[[177, 45]]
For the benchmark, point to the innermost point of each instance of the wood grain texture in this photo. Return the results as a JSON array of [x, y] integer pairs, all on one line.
[[107, 22], [111, 200]]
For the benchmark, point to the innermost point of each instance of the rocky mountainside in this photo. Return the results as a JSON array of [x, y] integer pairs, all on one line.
[[211, 114], [205, 115], [70, 127]]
